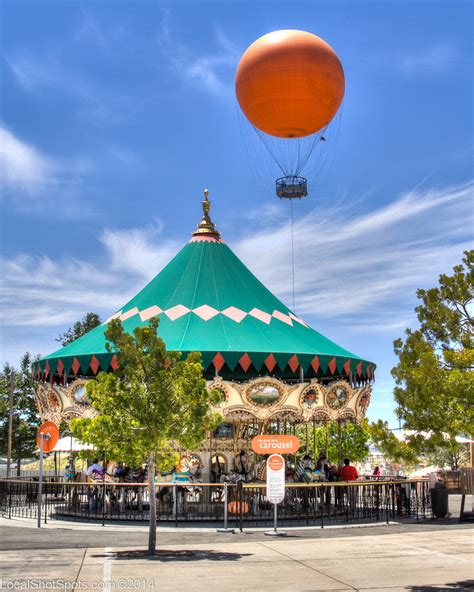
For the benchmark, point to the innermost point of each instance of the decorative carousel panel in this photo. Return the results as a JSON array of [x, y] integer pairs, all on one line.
[[338, 395], [268, 398], [363, 401], [78, 392], [48, 402], [264, 392], [311, 396], [59, 403], [222, 388]]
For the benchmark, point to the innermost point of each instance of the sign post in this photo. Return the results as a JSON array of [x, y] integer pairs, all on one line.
[[47, 438], [275, 445], [275, 488]]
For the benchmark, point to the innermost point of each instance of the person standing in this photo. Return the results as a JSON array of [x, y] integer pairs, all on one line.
[[348, 471]]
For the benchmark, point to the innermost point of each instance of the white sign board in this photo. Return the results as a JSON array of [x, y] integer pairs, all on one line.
[[275, 478]]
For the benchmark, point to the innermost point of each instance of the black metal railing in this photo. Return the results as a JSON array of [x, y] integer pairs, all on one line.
[[332, 503], [317, 504]]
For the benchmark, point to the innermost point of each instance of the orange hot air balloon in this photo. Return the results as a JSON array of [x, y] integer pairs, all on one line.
[[289, 83]]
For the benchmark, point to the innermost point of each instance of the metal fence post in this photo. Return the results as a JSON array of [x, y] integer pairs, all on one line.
[[103, 502], [240, 503], [175, 505], [322, 504], [225, 529], [10, 499]]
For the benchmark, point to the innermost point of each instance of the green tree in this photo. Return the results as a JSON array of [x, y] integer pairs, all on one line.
[[80, 328], [434, 379], [454, 455], [25, 416], [154, 404], [394, 450], [338, 441]]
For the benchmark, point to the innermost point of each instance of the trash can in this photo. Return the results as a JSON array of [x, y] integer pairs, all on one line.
[[439, 500]]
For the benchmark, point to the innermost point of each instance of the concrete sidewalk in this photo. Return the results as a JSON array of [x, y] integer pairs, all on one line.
[[417, 560]]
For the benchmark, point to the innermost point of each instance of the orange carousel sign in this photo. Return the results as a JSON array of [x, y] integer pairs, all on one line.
[[275, 443]]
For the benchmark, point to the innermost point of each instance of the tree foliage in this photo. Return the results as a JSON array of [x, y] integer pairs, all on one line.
[[80, 328], [394, 450], [25, 415], [434, 380], [154, 405], [347, 440], [452, 454]]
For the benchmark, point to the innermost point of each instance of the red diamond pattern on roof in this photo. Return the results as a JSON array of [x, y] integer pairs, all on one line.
[[245, 362], [359, 369], [270, 362], [369, 370], [94, 365], [75, 366], [315, 364], [332, 366], [113, 362], [38, 372], [60, 367], [47, 368], [293, 363], [218, 361], [347, 367]]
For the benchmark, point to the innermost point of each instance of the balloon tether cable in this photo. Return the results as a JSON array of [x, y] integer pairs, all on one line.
[[292, 255]]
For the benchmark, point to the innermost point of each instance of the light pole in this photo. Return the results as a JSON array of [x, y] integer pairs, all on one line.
[[10, 422]]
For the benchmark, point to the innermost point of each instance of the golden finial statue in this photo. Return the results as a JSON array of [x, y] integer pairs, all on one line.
[[206, 226]]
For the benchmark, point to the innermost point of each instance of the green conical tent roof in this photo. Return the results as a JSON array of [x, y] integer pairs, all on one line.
[[209, 301]]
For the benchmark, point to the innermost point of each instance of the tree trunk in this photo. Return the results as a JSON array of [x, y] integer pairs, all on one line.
[[151, 487]]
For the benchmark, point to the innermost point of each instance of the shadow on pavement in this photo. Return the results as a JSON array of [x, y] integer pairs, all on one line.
[[464, 586], [179, 555]]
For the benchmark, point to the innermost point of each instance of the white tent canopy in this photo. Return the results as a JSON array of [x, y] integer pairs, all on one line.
[[71, 444]]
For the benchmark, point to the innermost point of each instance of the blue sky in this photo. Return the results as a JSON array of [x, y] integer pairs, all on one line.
[[115, 116]]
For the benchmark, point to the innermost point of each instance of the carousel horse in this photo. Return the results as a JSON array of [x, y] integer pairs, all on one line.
[[122, 474], [187, 472], [243, 465]]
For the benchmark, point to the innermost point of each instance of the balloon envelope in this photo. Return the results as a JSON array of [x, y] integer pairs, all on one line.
[[289, 83]]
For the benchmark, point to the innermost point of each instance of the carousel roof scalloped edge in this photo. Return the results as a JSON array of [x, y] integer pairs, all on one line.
[[312, 365]]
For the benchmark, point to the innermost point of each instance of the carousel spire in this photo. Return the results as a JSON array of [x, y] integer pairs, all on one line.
[[206, 227]]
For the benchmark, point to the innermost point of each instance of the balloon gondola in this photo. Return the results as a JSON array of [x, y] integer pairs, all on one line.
[[291, 187], [289, 85]]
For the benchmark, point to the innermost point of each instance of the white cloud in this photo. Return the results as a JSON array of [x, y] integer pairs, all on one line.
[[33, 181], [37, 291], [211, 72], [363, 268], [134, 251], [23, 168], [360, 269]]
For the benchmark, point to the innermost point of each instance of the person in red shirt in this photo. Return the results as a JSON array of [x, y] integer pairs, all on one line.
[[348, 472]]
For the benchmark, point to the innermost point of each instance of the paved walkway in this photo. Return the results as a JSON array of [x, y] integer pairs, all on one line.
[[424, 556], [424, 560]]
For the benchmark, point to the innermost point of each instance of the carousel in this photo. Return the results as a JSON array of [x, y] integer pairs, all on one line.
[[274, 372]]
